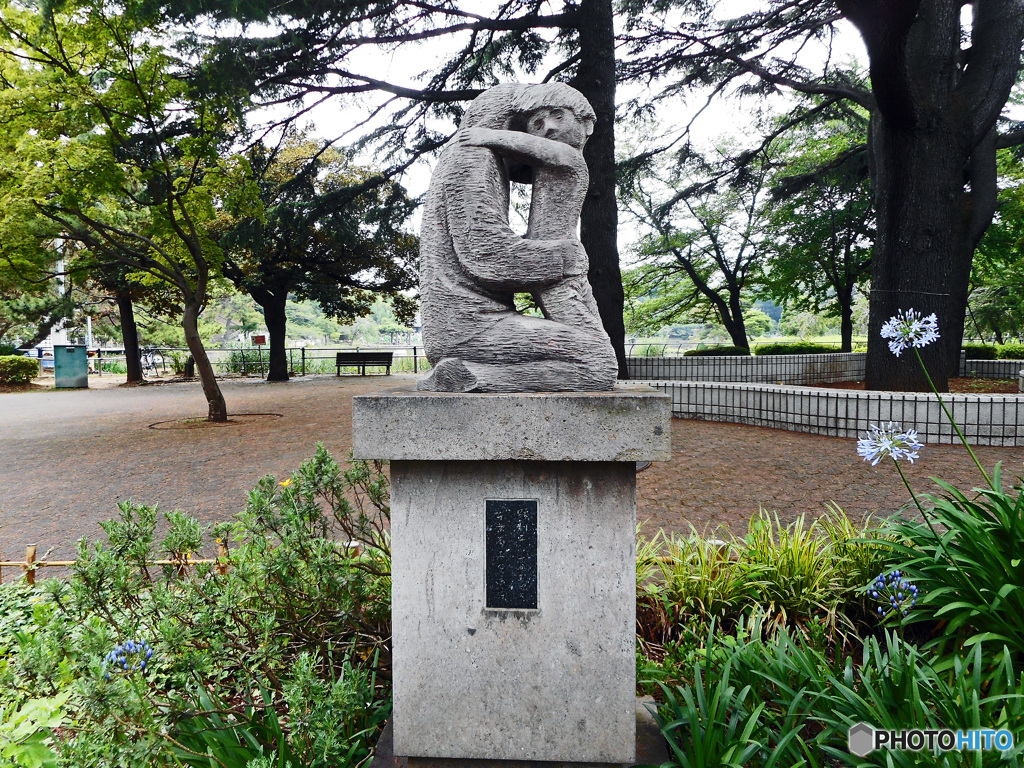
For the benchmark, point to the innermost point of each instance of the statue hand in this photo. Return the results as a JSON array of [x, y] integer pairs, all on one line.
[[474, 137]]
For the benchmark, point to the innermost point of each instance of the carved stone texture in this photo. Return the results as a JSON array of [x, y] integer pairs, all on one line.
[[472, 263]]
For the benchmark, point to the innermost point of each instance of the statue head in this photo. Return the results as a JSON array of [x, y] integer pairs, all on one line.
[[556, 111]]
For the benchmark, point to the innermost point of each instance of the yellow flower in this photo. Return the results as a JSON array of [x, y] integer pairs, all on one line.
[[286, 483]]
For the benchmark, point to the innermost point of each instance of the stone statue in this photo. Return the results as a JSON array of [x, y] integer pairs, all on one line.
[[471, 262]]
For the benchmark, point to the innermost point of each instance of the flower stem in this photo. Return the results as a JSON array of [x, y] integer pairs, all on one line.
[[916, 502], [960, 434], [938, 539]]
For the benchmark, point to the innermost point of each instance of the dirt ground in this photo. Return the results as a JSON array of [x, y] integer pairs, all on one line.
[[67, 457]]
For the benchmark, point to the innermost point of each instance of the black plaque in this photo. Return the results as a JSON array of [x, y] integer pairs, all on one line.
[[511, 553]]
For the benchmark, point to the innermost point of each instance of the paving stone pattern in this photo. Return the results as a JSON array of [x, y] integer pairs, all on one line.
[[68, 457]]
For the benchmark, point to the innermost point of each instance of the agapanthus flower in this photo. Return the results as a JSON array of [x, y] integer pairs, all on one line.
[[888, 440], [910, 329], [131, 656], [896, 594]]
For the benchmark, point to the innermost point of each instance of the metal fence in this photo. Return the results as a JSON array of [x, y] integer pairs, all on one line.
[[779, 369], [248, 361], [652, 348], [984, 419]]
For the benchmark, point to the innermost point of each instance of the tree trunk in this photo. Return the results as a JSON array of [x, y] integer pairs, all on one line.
[[922, 256], [595, 79], [129, 336], [218, 410], [845, 299], [274, 317], [733, 320], [932, 144]]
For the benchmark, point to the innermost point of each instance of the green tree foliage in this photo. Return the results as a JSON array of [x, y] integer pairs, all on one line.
[[327, 232], [820, 230], [996, 304], [26, 318], [705, 252], [115, 151]]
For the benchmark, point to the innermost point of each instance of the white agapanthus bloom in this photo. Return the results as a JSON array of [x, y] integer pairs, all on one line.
[[889, 440], [909, 329]]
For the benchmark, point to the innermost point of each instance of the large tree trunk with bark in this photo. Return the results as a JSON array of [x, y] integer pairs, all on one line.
[[274, 316], [217, 408], [599, 221], [933, 164], [923, 252], [129, 336]]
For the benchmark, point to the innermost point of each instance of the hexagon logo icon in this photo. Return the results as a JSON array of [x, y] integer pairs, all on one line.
[[860, 739]]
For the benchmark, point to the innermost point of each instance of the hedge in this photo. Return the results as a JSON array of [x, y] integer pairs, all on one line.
[[979, 352], [795, 348], [994, 351], [1010, 352], [717, 351], [15, 369]]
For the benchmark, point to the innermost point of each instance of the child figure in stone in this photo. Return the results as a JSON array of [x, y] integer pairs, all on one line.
[[547, 151]]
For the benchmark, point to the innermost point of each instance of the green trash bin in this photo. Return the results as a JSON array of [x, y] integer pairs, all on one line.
[[70, 366]]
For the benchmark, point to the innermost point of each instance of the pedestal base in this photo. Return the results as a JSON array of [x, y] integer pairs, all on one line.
[[651, 749], [514, 577]]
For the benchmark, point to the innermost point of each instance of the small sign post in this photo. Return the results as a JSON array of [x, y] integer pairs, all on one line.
[[259, 341]]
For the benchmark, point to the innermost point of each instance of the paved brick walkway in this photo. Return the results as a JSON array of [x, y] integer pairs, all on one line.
[[67, 458]]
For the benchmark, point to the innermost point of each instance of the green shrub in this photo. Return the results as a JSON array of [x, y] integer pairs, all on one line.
[[250, 361], [26, 733], [1010, 352], [297, 625], [724, 350], [795, 348], [796, 703], [7, 350], [808, 577], [710, 724], [114, 366], [15, 369], [966, 564], [979, 351]]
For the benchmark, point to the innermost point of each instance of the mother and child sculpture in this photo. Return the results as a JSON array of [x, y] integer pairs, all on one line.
[[472, 263]]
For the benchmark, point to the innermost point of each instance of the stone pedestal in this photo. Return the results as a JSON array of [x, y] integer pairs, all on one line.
[[514, 571]]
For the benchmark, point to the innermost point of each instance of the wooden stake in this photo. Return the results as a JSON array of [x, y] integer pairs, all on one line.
[[222, 558], [30, 561]]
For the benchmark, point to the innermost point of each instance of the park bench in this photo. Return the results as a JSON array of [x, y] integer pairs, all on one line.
[[363, 359]]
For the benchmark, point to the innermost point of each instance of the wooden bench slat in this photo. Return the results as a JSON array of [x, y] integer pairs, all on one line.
[[363, 359]]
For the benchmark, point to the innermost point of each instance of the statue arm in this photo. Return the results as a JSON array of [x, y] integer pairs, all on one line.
[[492, 254], [524, 147]]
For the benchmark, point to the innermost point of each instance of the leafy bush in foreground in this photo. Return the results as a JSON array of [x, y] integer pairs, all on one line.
[[760, 698], [966, 560], [285, 656]]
